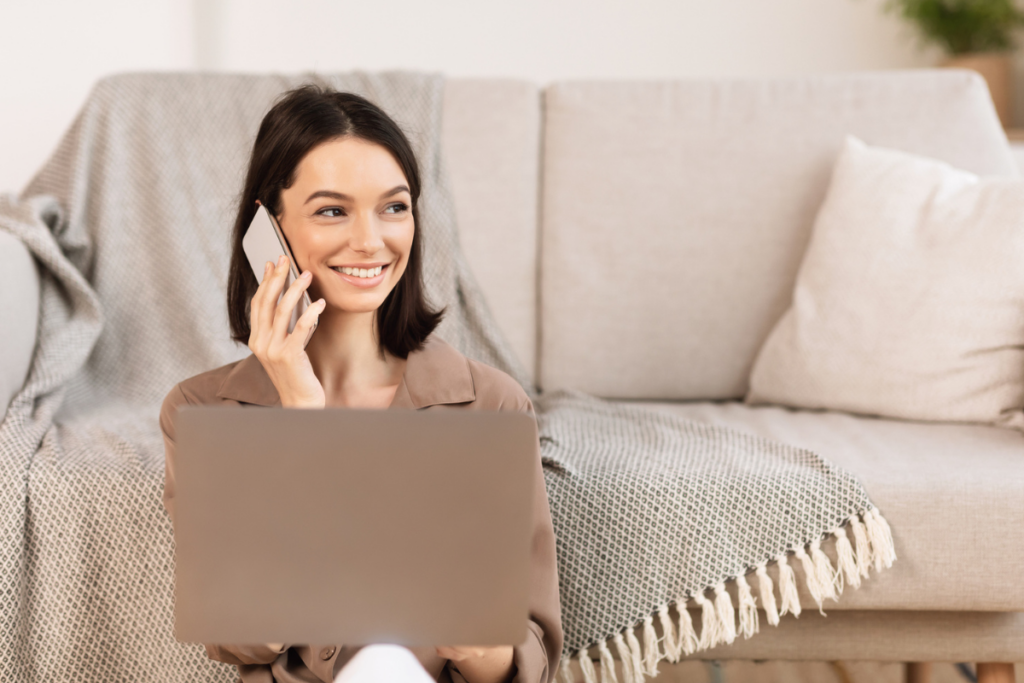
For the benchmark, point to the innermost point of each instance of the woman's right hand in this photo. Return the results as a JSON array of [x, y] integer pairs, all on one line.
[[283, 355]]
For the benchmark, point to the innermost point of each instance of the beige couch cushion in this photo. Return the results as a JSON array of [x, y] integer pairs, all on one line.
[[491, 140], [952, 494], [675, 214], [909, 302]]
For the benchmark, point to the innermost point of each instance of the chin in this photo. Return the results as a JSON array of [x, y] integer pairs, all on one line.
[[349, 306]]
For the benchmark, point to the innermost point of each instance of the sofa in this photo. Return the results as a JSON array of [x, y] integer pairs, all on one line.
[[699, 198]]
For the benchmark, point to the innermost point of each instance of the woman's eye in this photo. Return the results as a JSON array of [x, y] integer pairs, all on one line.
[[331, 212], [397, 207]]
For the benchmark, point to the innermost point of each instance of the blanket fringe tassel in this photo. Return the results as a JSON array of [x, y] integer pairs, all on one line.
[[871, 546], [764, 585], [860, 537], [626, 657], [688, 640], [607, 664], [748, 608], [788, 594], [636, 656], [710, 628], [673, 642], [652, 655]]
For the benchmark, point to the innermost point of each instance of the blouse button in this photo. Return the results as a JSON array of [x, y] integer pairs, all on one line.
[[328, 652]]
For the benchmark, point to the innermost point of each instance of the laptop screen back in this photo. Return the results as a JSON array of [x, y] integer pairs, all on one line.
[[353, 526]]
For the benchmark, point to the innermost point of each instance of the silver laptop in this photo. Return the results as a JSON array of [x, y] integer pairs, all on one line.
[[353, 526]]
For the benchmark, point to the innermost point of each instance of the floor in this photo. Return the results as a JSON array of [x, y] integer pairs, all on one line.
[[800, 672]]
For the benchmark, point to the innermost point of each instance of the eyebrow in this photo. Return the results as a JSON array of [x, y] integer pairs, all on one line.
[[331, 194]]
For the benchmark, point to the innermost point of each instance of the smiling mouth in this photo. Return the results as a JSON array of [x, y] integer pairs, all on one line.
[[359, 272]]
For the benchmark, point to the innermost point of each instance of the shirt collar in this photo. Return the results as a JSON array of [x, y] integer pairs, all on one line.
[[436, 374], [248, 382]]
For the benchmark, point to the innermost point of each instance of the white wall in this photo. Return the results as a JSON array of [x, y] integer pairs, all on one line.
[[555, 39], [51, 51]]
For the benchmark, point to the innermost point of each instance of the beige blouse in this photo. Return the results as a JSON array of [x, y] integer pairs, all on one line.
[[437, 377]]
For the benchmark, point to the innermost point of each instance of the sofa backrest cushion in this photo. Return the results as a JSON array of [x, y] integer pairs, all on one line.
[[491, 141], [675, 214]]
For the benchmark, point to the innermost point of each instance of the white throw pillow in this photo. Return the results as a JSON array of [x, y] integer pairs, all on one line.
[[909, 302]]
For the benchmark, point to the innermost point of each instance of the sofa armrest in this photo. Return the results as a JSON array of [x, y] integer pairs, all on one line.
[[19, 311]]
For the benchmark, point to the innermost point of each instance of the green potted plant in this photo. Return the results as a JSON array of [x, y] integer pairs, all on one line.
[[975, 34]]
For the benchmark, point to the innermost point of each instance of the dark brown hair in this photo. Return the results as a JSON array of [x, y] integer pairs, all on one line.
[[301, 120]]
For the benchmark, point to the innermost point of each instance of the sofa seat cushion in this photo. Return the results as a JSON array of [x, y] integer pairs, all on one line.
[[951, 492]]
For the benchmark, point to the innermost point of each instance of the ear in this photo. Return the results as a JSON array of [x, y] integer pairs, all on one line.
[[258, 203]]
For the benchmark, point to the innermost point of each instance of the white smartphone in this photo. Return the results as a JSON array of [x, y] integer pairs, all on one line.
[[263, 241]]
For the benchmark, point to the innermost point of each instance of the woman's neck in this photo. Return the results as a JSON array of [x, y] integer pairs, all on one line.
[[346, 357]]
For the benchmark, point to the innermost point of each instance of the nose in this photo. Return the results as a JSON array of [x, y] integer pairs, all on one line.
[[365, 236]]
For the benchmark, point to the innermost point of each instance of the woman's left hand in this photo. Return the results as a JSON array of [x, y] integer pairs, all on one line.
[[481, 664]]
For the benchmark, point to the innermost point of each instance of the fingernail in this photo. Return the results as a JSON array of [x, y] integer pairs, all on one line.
[[266, 268], [281, 260], [306, 276], [321, 301]]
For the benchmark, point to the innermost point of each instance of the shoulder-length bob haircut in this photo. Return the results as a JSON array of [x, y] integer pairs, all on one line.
[[301, 120]]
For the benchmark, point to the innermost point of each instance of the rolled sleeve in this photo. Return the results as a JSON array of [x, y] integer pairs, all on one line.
[[531, 658]]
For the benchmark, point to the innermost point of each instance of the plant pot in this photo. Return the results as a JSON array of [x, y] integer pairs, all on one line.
[[996, 68]]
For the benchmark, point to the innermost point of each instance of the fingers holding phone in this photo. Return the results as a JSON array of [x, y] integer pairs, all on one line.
[[265, 241], [269, 304], [282, 352], [286, 305]]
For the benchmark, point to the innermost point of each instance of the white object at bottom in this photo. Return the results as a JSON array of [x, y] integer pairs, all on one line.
[[384, 663]]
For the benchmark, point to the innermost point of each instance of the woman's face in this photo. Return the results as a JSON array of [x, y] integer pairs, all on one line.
[[348, 219]]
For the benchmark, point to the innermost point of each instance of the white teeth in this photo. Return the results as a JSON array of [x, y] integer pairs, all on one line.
[[361, 272]]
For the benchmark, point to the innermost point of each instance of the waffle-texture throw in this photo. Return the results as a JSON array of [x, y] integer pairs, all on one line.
[[129, 222]]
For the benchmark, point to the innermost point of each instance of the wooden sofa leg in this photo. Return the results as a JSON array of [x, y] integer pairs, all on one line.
[[995, 673], [918, 672]]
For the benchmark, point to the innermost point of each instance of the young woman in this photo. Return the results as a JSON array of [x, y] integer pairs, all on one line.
[[341, 179]]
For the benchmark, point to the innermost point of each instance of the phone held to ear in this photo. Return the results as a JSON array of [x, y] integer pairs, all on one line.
[[263, 241]]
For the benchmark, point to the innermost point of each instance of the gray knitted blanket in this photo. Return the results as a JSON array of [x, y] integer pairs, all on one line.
[[129, 222]]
